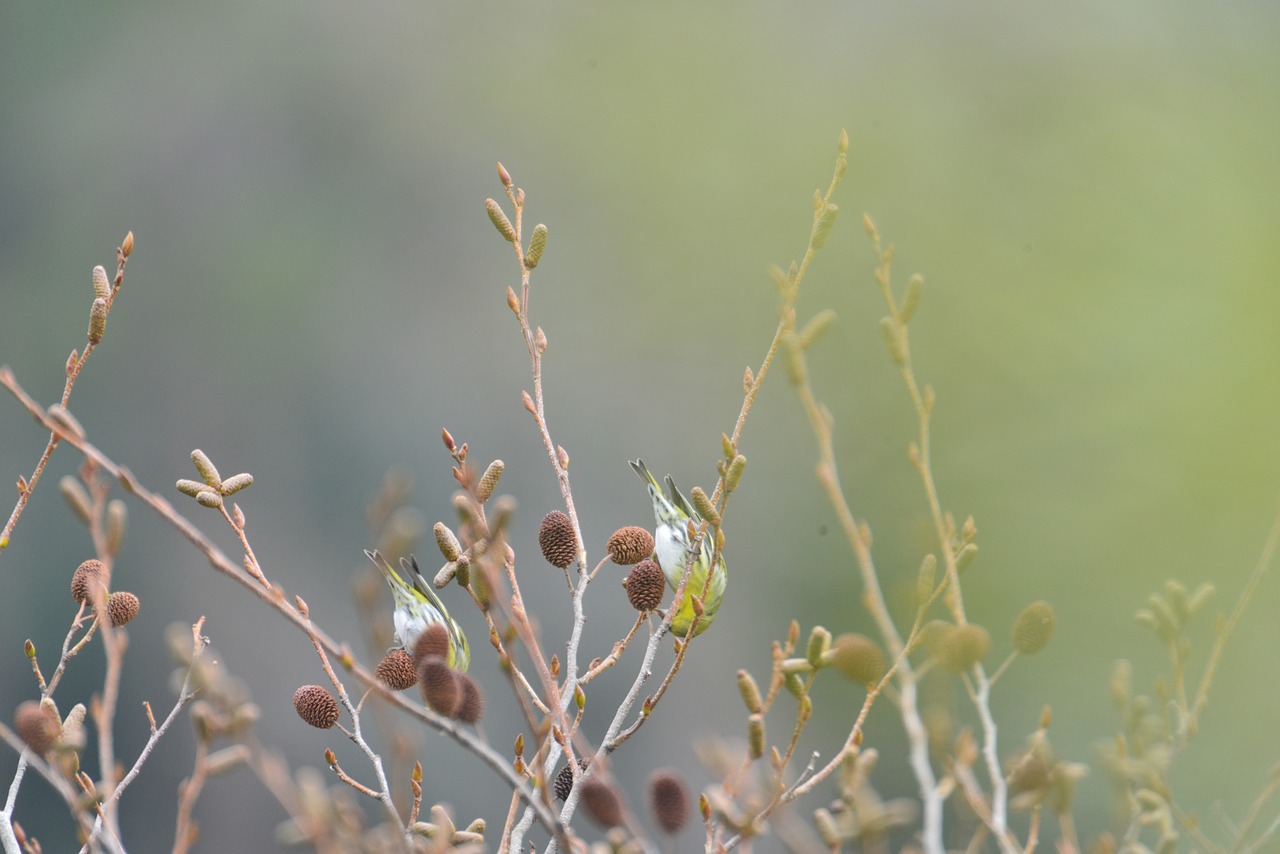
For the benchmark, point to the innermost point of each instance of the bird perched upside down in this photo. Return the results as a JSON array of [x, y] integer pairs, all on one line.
[[417, 607], [673, 513]]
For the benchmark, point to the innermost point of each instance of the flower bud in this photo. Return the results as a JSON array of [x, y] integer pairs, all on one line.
[[500, 221], [750, 692], [755, 735], [447, 542], [204, 465], [537, 244], [101, 284], [97, 320], [488, 481], [702, 503]]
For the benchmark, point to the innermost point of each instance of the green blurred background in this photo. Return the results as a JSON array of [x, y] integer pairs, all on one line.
[[1090, 190]]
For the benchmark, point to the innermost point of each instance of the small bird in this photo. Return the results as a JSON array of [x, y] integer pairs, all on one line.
[[417, 607], [673, 513]]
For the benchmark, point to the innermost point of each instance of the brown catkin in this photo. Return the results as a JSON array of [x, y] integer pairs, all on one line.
[[601, 802], [668, 800], [630, 545], [440, 685], [122, 607], [37, 725], [396, 670], [556, 539], [645, 585], [316, 706], [91, 572], [433, 640]]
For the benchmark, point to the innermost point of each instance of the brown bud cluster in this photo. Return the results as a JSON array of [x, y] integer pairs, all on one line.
[[630, 545], [316, 706], [557, 540]]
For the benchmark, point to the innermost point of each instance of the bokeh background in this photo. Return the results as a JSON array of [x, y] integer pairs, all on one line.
[[1089, 188]]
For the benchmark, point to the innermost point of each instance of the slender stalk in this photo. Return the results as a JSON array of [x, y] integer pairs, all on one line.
[[273, 597], [74, 367]]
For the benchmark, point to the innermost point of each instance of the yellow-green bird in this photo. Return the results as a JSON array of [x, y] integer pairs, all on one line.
[[417, 607], [673, 512]]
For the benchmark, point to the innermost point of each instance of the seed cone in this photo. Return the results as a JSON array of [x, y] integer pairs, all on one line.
[[601, 802], [316, 706], [556, 539], [122, 607], [396, 670], [668, 800], [471, 706], [433, 640], [441, 687], [630, 545], [645, 585], [37, 725], [564, 780], [91, 572]]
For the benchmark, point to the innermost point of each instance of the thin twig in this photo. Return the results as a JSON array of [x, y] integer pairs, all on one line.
[[185, 694], [274, 598], [1220, 644], [74, 367]]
